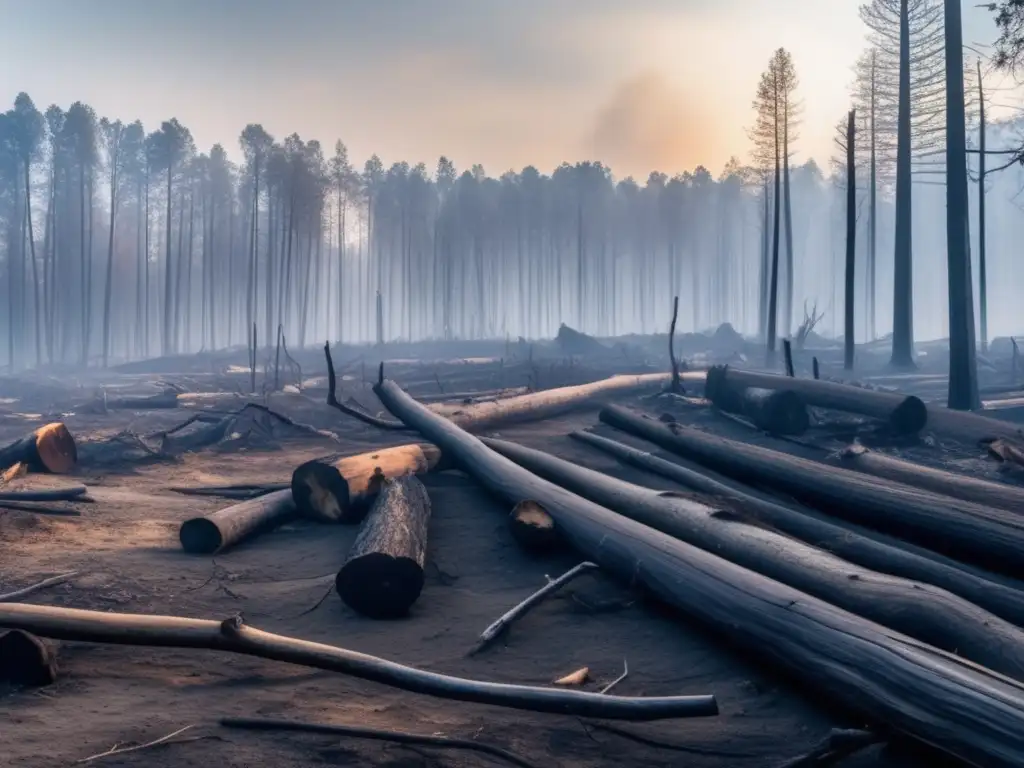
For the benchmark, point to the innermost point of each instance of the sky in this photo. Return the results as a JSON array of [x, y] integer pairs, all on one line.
[[641, 85]]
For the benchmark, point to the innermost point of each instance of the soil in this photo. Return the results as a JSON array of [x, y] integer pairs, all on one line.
[[125, 547]]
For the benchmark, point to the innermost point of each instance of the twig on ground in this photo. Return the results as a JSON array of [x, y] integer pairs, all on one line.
[[120, 751], [377, 734], [332, 400], [619, 679], [498, 627], [320, 601], [839, 744], [647, 741], [26, 591]]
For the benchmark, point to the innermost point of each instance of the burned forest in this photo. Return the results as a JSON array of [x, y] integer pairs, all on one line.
[[309, 458]]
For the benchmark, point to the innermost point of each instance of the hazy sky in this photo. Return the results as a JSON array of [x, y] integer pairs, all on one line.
[[639, 84]]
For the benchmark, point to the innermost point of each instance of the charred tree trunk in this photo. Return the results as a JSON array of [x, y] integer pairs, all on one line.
[[992, 538], [49, 449], [871, 549], [884, 676], [851, 240], [926, 613], [904, 414], [342, 491], [229, 526], [383, 574]]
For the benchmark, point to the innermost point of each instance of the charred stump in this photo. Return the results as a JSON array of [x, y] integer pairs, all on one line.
[[383, 574]]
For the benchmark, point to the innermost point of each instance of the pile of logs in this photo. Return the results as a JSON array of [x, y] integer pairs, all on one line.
[[892, 589]]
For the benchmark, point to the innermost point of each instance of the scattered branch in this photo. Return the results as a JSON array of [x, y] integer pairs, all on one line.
[[619, 679], [332, 400], [377, 734], [74, 493], [26, 591], [492, 632], [120, 751], [234, 636]]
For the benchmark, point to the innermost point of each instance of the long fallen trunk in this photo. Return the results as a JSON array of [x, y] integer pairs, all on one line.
[[972, 713], [553, 402], [920, 610], [383, 574], [905, 414], [234, 636], [992, 538], [342, 491], [527, 407], [850, 542], [229, 526], [952, 484], [51, 448]]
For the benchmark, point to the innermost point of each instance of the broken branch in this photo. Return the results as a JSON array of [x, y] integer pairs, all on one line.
[[492, 632], [234, 636]]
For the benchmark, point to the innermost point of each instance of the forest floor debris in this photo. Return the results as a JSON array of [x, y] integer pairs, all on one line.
[[126, 551]]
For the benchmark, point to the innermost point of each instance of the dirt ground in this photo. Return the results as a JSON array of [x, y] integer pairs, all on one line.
[[125, 547]]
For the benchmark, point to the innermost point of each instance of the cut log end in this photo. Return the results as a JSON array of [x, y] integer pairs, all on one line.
[[200, 536], [533, 528], [910, 416], [379, 585], [56, 448], [321, 493], [26, 660]]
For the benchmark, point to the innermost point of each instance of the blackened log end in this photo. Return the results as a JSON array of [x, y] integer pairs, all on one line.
[[321, 493], [26, 660], [909, 417], [379, 585], [200, 536], [533, 528]]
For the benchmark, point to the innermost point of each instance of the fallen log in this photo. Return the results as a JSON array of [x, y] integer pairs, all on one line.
[[534, 406], [160, 401], [72, 493], [532, 527], [51, 448], [237, 491], [850, 542], [917, 609], [776, 411], [235, 636], [342, 491], [992, 538], [383, 574], [226, 527], [965, 710], [904, 414], [547, 403], [958, 486]]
